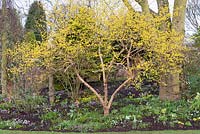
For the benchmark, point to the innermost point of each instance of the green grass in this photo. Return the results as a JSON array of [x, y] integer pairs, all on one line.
[[131, 132]]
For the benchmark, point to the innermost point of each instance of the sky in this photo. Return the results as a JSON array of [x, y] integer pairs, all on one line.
[[23, 5]]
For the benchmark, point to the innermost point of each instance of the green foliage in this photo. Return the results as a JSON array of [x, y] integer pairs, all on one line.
[[141, 114], [74, 126], [51, 117], [192, 72], [30, 36], [88, 98], [84, 121], [36, 21], [9, 125], [195, 105], [6, 106], [30, 103], [164, 112], [82, 43], [69, 82], [196, 38]]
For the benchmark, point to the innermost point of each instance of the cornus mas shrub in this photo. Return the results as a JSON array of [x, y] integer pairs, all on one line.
[[83, 43]]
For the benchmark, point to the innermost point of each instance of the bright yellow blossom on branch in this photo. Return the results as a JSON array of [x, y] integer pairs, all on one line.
[[82, 43]]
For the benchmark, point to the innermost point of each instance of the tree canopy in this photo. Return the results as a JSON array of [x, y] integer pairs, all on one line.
[[83, 43]]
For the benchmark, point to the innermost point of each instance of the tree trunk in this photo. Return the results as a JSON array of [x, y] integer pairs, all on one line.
[[178, 25], [170, 83], [169, 87], [106, 110], [4, 44], [106, 105], [164, 86], [3, 65], [145, 6], [51, 89]]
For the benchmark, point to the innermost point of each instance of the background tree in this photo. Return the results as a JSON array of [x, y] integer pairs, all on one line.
[[36, 21], [4, 43], [171, 87], [11, 32], [193, 15], [36, 30], [191, 67]]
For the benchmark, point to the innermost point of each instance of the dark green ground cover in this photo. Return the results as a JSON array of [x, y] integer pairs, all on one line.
[[145, 112]]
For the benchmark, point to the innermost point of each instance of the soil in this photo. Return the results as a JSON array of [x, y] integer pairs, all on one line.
[[35, 123], [31, 121]]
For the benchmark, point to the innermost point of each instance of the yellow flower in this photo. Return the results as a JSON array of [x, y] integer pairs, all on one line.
[[179, 122]]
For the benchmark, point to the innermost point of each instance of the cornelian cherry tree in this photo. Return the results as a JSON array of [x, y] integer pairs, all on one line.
[[85, 43]]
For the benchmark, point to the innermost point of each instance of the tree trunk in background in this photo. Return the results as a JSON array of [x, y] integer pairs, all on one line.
[[178, 24], [51, 89], [145, 6], [170, 83], [4, 43], [165, 86]]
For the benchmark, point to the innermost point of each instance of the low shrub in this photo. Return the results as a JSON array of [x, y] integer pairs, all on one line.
[[9, 124], [51, 117], [30, 104], [149, 111]]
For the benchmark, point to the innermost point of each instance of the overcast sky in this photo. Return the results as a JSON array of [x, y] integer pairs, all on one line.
[[23, 5]]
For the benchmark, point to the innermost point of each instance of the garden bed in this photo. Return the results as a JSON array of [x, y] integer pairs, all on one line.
[[131, 110]]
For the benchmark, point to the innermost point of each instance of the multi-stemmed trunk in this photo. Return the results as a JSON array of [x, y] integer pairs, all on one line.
[[104, 100]]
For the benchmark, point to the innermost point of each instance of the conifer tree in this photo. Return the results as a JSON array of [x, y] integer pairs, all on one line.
[[36, 21]]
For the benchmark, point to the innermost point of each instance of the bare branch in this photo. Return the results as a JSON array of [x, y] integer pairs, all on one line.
[[105, 83], [90, 87], [145, 6], [117, 90], [193, 15], [128, 5], [162, 3]]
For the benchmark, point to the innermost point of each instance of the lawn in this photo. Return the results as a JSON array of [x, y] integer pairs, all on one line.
[[131, 132]]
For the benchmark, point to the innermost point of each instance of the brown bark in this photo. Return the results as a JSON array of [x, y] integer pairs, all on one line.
[[106, 111], [51, 89], [179, 16], [178, 25], [163, 3], [170, 83], [106, 105], [117, 90], [165, 86], [128, 5], [90, 87], [145, 6], [4, 43], [169, 88], [105, 82]]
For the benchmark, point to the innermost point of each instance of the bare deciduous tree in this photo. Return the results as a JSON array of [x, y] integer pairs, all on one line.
[[193, 15]]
